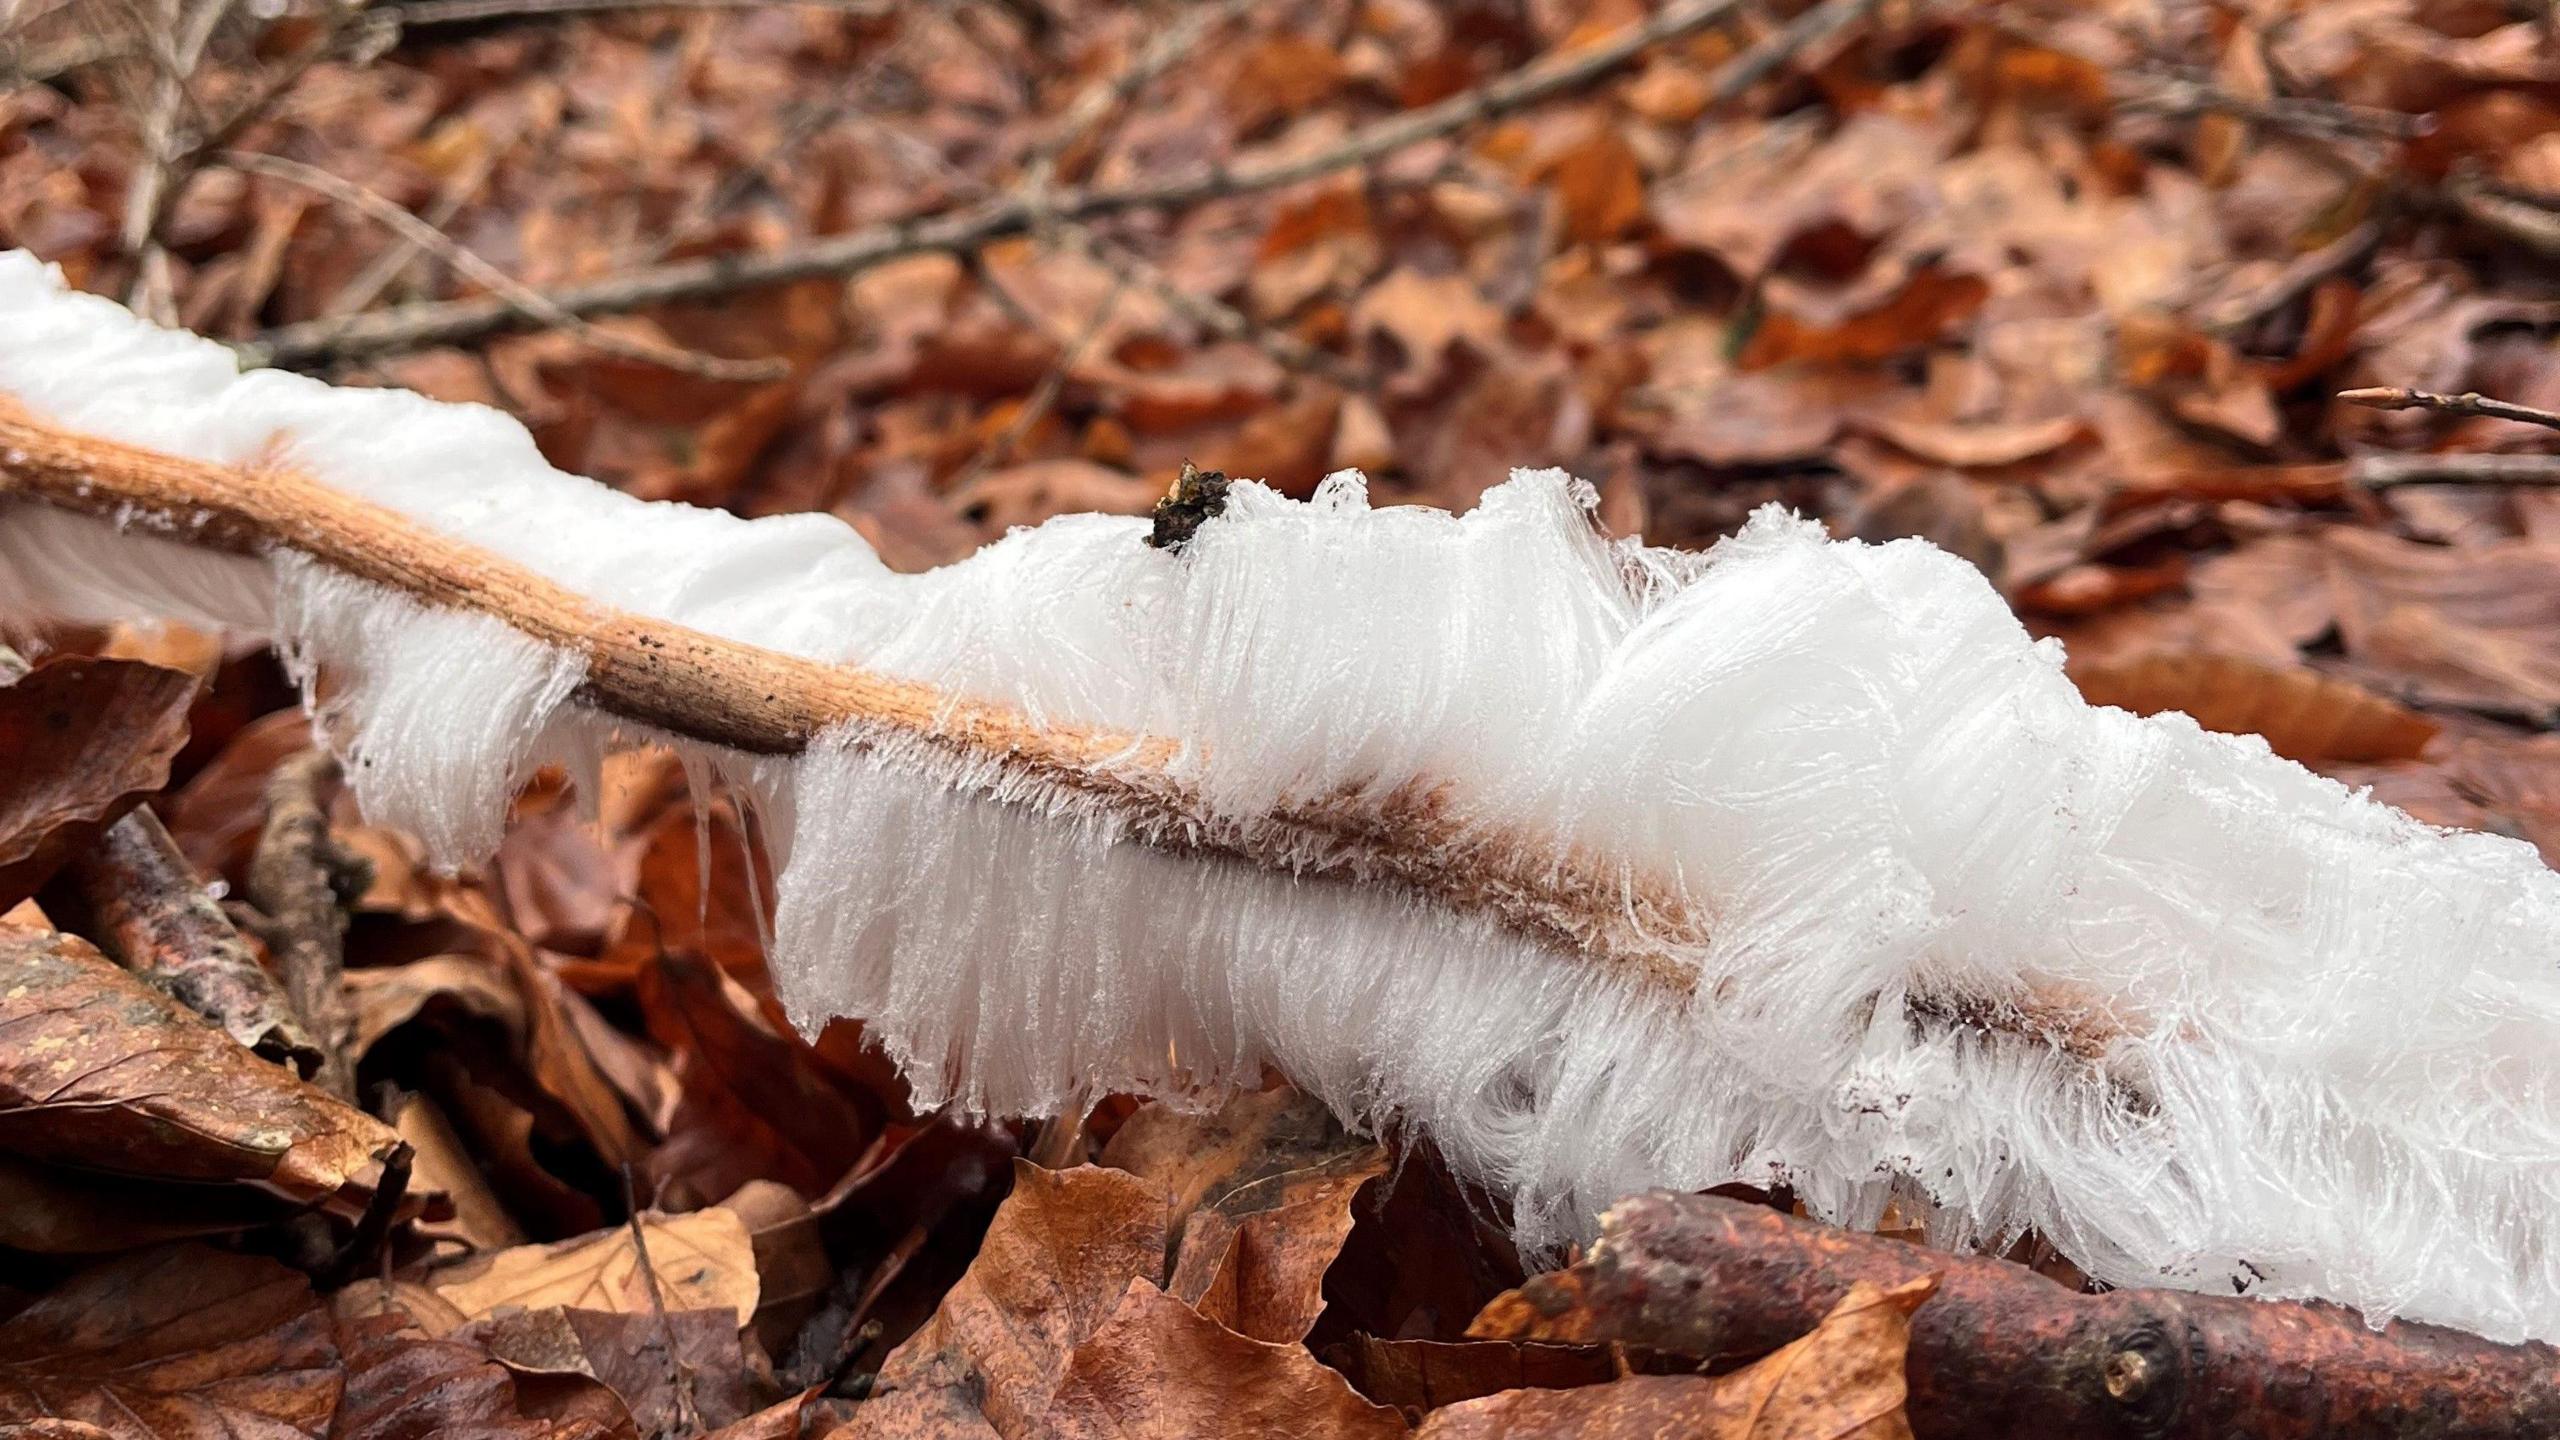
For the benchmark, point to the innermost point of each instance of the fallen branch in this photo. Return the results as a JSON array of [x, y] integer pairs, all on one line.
[[2393, 397], [451, 321], [134, 894], [293, 878], [2001, 1353]]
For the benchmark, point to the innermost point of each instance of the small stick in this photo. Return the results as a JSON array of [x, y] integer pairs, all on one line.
[[2470, 402], [464, 12], [292, 879], [2383, 472], [680, 1379], [533, 302]]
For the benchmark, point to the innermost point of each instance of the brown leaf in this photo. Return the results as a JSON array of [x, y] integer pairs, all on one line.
[[703, 1260], [2504, 785], [2303, 714], [1416, 1375], [1842, 1382], [401, 1385], [48, 1210], [661, 1368], [1260, 1193], [1061, 1253], [2477, 625], [1427, 316], [86, 740], [172, 1343], [1930, 304], [1599, 185], [1158, 1369], [104, 1071], [1982, 443]]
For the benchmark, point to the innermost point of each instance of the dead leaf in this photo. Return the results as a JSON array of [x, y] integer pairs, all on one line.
[[1158, 1369], [86, 740], [1842, 1382], [673, 1373], [1417, 1375], [105, 1072], [401, 1385], [703, 1261], [1979, 444], [1599, 184], [2303, 714], [49, 1210], [2475, 626], [1054, 1266], [173, 1343], [1426, 316]]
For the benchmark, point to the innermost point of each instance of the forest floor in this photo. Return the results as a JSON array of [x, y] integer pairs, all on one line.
[[2070, 289]]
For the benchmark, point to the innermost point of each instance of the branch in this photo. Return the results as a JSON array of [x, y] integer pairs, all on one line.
[[451, 321], [292, 879], [708, 688], [532, 303], [2392, 397], [2383, 472], [2001, 1353]]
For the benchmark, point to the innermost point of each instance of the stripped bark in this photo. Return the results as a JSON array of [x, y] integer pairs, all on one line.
[[294, 878], [133, 893], [2001, 1353]]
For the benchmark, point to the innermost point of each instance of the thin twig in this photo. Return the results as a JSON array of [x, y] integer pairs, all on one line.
[[2470, 402], [446, 322], [2179, 95], [386, 268], [176, 52], [465, 12], [680, 1378], [534, 304], [2383, 472], [1001, 448], [292, 879]]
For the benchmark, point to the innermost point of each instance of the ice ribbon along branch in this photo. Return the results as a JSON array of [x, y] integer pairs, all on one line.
[[1605, 867]]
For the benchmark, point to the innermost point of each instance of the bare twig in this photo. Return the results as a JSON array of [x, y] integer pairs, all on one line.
[[2393, 397], [176, 49], [465, 12], [292, 879], [2383, 472], [384, 269], [1001, 448], [680, 1377], [446, 322], [2299, 115], [534, 304]]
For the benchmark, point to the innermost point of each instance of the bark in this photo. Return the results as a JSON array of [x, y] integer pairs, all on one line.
[[294, 878], [136, 896], [2001, 1353]]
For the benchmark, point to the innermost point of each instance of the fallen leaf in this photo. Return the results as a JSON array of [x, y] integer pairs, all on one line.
[[1979, 444], [2303, 714], [1054, 1266], [103, 1071], [175, 1343], [86, 740], [674, 1372], [49, 1210], [1160, 1370], [2475, 626], [401, 1385], [1418, 1375], [1842, 1382], [1427, 316], [703, 1261], [1599, 184]]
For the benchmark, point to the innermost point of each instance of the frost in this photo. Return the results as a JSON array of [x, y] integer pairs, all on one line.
[[2308, 1045]]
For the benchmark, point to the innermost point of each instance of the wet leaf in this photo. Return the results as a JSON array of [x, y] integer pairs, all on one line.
[[173, 1344], [103, 1071], [672, 1373], [86, 740], [402, 1385]]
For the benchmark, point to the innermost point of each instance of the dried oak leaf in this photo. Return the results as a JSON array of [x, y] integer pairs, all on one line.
[[177, 1342], [1054, 1266], [86, 740], [1160, 1370], [1417, 1375], [104, 1072], [2303, 714], [704, 1260], [2475, 626], [1842, 1382]]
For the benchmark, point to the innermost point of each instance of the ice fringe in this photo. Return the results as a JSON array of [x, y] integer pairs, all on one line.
[[2327, 1035]]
